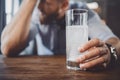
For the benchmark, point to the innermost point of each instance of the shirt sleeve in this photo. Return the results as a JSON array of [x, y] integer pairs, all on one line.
[[97, 29]]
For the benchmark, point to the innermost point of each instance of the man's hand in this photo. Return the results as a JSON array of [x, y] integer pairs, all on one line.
[[96, 54]]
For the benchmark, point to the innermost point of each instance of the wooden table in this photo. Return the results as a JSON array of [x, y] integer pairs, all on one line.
[[48, 68]]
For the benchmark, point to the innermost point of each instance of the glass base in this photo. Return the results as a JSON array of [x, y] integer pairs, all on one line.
[[73, 68], [73, 65]]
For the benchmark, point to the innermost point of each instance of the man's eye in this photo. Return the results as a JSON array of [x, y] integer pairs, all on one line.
[[42, 1]]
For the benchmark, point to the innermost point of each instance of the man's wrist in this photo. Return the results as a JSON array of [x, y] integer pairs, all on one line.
[[113, 53]]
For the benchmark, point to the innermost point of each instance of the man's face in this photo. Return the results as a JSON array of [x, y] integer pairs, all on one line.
[[49, 10]]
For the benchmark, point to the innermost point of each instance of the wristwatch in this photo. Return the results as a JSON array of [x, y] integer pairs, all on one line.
[[113, 53]]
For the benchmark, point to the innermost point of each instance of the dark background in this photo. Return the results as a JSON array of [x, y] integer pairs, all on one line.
[[2, 17], [113, 16]]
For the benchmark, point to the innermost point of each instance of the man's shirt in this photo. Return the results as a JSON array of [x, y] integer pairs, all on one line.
[[50, 39]]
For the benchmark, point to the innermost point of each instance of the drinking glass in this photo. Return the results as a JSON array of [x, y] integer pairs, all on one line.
[[76, 35]]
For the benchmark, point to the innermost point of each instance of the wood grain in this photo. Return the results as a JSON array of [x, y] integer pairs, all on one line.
[[48, 68]]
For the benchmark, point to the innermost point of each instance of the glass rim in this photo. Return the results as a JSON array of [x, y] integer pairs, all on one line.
[[69, 10]]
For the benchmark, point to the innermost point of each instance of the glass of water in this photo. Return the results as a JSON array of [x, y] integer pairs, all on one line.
[[76, 35]]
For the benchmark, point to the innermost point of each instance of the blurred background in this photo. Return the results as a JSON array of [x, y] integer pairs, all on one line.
[[109, 11]]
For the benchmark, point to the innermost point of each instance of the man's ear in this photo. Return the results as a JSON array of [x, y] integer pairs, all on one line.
[[65, 5]]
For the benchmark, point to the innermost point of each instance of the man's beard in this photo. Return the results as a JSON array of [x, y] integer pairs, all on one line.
[[48, 19]]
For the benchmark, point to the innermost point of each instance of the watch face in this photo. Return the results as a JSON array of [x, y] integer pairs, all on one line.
[[114, 57], [112, 49], [114, 52]]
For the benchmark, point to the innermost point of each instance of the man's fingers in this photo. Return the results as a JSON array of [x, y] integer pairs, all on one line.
[[93, 63], [92, 43], [90, 54]]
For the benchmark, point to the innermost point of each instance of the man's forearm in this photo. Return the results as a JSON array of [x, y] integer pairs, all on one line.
[[15, 34]]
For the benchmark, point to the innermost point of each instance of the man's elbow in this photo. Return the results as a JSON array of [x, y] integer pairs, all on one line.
[[5, 51]]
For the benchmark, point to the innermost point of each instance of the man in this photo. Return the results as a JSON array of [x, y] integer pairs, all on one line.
[[44, 34]]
